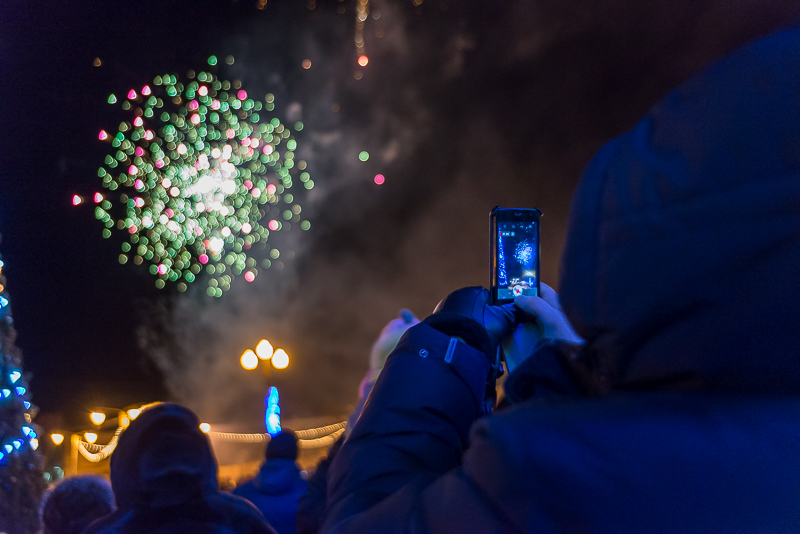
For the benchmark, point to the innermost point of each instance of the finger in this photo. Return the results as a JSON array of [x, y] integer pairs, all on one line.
[[539, 308], [550, 296]]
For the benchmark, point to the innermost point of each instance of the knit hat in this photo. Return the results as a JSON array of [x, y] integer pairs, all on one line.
[[282, 446], [389, 337]]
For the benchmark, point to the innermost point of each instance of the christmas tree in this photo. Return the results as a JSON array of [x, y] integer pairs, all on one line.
[[21, 477]]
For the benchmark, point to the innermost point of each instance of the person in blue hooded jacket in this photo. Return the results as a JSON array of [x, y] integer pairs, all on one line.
[[278, 486], [164, 478], [674, 404]]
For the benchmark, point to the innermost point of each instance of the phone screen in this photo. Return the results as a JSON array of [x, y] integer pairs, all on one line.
[[517, 259]]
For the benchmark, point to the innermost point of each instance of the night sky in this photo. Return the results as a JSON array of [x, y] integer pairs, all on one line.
[[463, 106]]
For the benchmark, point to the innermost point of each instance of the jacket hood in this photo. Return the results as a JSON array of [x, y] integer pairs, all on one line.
[[163, 459], [278, 476], [683, 248]]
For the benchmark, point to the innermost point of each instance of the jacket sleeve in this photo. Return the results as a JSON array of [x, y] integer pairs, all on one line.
[[311, 509], [407, 447]]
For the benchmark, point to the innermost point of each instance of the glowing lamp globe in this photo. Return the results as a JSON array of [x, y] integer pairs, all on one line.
[[205, 428], [264, 349], [133, 413], [97, 418], [90, 437], [58, 439], [249, 360], [280, 360]]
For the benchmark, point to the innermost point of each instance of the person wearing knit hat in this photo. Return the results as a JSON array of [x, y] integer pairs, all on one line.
[[74, 503], [383, 346], [283, 446], [278, 486]]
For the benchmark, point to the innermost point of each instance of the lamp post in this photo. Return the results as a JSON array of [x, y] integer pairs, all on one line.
[[278, 359]]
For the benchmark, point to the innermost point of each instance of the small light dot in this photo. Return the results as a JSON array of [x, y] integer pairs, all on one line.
[[379, 179], [306, 64], [363, 60]]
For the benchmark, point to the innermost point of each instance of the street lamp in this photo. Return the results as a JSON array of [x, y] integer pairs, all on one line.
[[97, 418], [264, 350], [280, 360], [91, 437], [57, 438], [249, 360]]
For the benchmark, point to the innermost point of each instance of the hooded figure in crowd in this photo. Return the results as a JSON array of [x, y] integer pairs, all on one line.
[[75, 502], [164, 478], [674, 405], [278, 486]]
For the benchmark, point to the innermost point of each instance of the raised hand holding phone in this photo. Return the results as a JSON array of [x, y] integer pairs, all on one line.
[[546, 320]]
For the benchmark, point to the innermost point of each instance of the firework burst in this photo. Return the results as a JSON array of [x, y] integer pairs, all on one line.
[[200, 176]]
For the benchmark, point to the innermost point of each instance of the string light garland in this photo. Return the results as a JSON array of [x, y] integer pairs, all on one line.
[[239, 438], [325, 441], [311, 438], [321, 431], [96, 453], [196, 176]]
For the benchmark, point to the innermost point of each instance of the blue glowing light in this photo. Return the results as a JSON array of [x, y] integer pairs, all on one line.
[[27, 430], [14, 376], [17, 443], [26, 404], [20, 390], [3, 302], [6, 393], [272, 415], [8, 447]]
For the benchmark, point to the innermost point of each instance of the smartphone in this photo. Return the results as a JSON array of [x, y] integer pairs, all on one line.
[[514, 253]]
